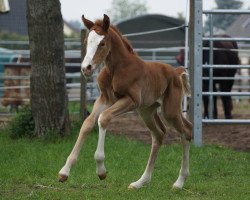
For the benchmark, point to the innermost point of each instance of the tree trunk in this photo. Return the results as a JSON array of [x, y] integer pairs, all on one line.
[[49, 101]]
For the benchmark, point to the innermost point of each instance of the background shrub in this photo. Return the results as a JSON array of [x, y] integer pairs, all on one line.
[[22, 124]]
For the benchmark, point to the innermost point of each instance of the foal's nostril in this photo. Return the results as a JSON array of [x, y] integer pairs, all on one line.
[[88, 67]]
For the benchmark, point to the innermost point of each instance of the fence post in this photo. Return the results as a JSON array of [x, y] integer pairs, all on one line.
[[83, 89], [195, 57]]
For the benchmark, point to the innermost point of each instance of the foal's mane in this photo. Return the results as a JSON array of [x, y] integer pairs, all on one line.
[[124, 39]]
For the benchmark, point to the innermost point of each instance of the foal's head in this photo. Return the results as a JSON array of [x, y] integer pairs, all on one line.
[[98, 44]]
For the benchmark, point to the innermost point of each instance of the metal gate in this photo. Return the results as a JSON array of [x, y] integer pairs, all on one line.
[[196, 38]]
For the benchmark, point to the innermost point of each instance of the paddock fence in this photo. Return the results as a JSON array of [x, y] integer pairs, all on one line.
[[242, 75], [15, 72], [196, 32]]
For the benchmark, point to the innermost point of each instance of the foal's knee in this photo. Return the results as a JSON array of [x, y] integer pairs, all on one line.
[[104, 120]]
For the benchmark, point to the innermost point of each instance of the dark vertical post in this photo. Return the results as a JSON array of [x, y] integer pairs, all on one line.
[[248, 79], [83, 89], [195, 57]]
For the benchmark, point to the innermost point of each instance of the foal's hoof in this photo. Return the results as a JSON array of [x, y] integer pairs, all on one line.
[[131, 187], [102, 176], [177, 187], [62, 178]]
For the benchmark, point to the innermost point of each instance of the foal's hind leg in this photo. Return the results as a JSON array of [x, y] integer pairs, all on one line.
[[173, 115], [184, 171], [152, 120], [185, 128]]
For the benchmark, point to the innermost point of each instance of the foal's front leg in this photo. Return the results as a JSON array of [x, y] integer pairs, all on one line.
[[87, 126], [121, 106], [99, 154]]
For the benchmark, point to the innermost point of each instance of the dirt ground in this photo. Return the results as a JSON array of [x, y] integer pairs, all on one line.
[[233, 136]]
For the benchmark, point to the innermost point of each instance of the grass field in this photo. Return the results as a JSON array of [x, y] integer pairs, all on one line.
[[28, 170]]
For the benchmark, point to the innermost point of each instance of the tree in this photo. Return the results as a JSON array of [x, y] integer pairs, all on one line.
[[127, 8], [49, 101], [223, 21], [181, 16]]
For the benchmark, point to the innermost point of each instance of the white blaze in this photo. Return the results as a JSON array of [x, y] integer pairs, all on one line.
[[92, 44]]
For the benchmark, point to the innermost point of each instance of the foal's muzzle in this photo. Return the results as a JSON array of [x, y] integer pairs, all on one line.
[[88, 71]]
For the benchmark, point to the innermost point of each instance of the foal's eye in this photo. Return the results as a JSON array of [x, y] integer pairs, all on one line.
[[102, 44]]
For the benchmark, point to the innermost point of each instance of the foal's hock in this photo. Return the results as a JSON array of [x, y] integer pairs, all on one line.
[[128, 83]]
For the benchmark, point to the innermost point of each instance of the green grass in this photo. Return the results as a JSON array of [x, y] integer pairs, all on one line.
[[28, 170], [74, 107]]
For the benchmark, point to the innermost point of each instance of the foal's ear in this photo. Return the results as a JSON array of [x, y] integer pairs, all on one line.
[[89, 24], [106, 22]]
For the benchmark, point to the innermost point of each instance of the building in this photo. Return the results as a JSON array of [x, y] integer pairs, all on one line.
[[159, 46], [240, 27], [151, 22], [14, 21]]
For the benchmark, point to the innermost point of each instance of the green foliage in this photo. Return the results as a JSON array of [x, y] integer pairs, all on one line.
[[122, 9], [22, 124], [181, 16], [223, 21], [5, 35], [28, 170]]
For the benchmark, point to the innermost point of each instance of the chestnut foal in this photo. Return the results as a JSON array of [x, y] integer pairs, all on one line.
[[127, 83]]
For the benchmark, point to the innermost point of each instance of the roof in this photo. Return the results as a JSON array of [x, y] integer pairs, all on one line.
[[151, 22], [74, 28], [15, 20], [240, 28]]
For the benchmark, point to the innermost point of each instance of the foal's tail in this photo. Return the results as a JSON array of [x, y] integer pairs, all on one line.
[[181, 71]]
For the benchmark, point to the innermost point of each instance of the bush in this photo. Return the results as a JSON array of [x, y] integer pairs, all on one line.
[[22, 124]]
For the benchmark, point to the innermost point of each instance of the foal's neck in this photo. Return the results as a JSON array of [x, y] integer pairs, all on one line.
[[118, 53]]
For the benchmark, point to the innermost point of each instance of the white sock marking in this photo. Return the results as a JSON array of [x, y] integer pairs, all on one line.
[[99, 154]]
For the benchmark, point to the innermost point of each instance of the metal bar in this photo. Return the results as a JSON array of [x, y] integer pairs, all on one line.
[[11, 42], [211, 62], [195, 54], [227, 66], [14, 87], [226, 39], [154, 31], [76, 53], [226, 121], [228, 78], [14, 42], [185, 101], [242, 87], [68, 75], [162, 49], [227, 93], [153, 55], [15, 77], [225, 49], [226, 11]]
